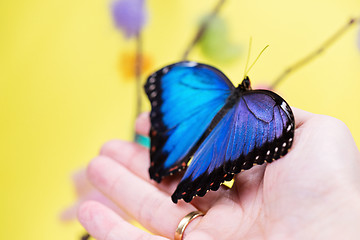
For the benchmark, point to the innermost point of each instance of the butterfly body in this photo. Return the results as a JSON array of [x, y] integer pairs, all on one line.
[[197, 112]]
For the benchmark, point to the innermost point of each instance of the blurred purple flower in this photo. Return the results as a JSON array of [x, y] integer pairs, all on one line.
[[130, 16]]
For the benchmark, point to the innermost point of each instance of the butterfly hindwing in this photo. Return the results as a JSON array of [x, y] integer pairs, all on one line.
[[258, 128], [184, 97]]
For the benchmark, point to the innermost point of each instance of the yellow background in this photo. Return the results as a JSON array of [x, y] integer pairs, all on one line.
[[61, 94]]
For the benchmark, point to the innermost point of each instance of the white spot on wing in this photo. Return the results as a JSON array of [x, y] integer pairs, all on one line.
[[191, 64], [153, 94], [288, 128], [283, 107], [152, 79], [165, 70], [284, 144]]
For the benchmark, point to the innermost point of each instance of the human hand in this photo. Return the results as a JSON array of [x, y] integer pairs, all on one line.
[[311, 193], [85, 192]]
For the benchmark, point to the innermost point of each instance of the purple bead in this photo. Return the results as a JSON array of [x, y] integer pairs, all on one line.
[[130, 16]]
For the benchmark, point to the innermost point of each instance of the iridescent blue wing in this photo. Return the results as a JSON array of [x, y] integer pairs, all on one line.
[[184, 97], [258, 128]]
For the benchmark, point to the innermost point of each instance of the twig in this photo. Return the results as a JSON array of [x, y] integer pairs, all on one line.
[[315, 53], [138, 67], [202, 28]]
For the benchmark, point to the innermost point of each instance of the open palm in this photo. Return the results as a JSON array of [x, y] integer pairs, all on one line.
[[311, 193]]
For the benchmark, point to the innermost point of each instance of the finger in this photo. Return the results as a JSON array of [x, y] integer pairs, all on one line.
[[248, 184], [104, 224], [303, 121], [82, 189], [136, 158], [131, 155], [81, 183], [150, 206], [301, 116], [70, 212], [142, 124]]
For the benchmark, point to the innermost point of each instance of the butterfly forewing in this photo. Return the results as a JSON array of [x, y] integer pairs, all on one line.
[[184, 98]]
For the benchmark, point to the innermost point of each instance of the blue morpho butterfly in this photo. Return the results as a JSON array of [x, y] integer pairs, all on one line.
[[197, 112]]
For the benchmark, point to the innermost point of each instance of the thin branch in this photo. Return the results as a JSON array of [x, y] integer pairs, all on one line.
[[202, 28], [330, 41], [138, 67]]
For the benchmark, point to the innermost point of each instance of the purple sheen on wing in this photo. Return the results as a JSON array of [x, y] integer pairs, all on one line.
[[260, 134], [271, 131], [260, 105], [278, 122], [211, 153], [285, 119], [250, 138], [130, 16], [230, 144], [242, 117], [221, 142]]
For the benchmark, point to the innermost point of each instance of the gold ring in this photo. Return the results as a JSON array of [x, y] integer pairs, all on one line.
[[184, 222]]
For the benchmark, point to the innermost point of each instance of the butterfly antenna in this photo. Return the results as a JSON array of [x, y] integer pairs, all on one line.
[[330, 41], [248, 57], [255, 60]]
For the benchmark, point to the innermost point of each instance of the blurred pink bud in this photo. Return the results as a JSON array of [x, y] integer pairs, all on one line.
[[130, 16], [263, 86]]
